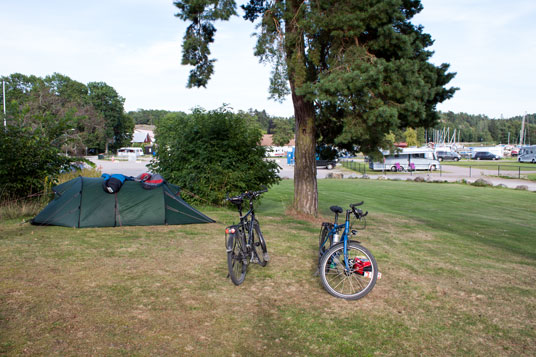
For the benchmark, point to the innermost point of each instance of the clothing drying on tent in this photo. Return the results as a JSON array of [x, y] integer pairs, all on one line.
[[83, 202]]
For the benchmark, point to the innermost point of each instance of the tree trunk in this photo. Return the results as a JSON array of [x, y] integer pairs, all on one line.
[[305, 185]]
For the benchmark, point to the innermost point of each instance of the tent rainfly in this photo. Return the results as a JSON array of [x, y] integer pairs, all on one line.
[[82, 202]]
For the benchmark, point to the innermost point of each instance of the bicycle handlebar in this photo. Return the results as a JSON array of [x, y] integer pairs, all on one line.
[[356, 204], [357, 212], [247, 195]]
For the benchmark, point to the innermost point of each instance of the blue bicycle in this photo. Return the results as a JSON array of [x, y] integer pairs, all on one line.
[[347, 269]]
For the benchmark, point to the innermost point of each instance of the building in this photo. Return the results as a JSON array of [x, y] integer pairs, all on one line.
[[143, 134], [272, 150]]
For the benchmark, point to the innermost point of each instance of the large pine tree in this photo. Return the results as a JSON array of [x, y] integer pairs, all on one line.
[[355, 69]]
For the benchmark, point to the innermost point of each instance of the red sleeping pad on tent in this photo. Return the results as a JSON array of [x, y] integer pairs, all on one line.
[[150, 181]]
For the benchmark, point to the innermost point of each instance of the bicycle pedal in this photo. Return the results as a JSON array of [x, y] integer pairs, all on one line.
[[266, 257]]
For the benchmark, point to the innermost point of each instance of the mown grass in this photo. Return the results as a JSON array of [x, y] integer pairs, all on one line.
[[458, 264]]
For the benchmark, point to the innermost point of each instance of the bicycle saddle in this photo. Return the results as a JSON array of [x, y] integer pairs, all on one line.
[[336, 209]]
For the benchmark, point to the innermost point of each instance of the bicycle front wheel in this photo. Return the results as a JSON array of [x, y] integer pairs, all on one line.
[[236, 260], [259, 245], [353, 283]]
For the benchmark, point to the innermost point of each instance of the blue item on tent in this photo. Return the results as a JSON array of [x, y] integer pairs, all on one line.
[[112, 183]]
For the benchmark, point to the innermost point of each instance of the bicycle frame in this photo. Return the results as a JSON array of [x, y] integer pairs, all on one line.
[[247, 224], [344, 236]]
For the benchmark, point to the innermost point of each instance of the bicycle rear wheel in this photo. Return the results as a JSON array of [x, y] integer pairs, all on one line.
[[323, 245], [259, 245], [353, 283], [236, 260]]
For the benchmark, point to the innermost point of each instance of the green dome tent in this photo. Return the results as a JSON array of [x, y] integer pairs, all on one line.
[[82, 202]]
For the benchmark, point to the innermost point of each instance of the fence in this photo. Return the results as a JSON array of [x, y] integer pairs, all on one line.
[[512, 171]]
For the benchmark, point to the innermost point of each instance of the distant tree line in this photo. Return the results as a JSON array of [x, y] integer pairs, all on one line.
[[282, 128], [469, 127], [148, 116], [480, 128]]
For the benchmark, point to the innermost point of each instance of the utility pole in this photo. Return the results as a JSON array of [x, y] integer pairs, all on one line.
[[4, 97]]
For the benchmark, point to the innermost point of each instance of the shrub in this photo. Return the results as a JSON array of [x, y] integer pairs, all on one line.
[[212, 153], [27, 161]]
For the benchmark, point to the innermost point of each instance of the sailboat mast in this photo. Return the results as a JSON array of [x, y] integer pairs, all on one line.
[[522, 132]]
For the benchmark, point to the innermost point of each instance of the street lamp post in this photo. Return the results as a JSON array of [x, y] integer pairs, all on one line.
[[4, 97]]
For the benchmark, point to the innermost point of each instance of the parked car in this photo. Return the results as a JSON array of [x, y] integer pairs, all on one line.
[[486, 155], [448, 155], [514, 152], [328, 164]]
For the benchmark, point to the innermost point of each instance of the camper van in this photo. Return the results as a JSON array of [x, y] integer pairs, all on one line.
[[406, 160], [130, 151], [527, 154]]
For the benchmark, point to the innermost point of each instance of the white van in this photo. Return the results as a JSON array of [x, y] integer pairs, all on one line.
[[407, 159], [130, 151], [527, 154]]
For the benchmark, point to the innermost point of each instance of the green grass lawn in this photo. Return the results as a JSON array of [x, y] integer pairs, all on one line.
[[458, 265]]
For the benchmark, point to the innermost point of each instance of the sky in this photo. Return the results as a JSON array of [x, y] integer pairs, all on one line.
[[135, 46]]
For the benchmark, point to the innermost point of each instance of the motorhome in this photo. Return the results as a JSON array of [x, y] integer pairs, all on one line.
[[130, 151], [406, 160], [527, 154], [272, 151]]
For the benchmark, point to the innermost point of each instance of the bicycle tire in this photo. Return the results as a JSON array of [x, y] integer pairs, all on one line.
[[343, 284], [236, 261], [259, 245]]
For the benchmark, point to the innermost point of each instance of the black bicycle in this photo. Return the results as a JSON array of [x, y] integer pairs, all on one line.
[[245, 242]]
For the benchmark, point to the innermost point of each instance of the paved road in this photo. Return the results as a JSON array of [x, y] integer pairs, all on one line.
[[451, 173], [134, 168], [125, 167]]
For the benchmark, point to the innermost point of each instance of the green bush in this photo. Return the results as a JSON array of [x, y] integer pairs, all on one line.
[[212, 153], [27, 162]]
